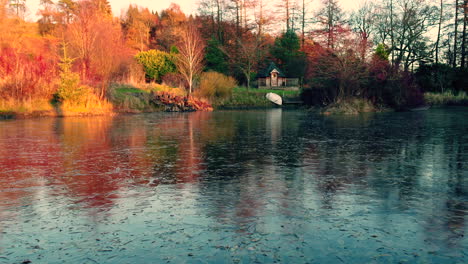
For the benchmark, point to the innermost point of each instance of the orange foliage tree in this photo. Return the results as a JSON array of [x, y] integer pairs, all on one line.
[[28, 64], [96, 42], [137, 24], [171, 28]]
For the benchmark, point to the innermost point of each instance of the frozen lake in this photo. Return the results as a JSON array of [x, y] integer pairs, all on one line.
[[236, 187]]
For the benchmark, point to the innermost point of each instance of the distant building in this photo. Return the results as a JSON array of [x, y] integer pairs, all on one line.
[[274, 78]]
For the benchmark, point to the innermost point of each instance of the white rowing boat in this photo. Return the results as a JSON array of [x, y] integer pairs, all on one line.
[[274, 98]]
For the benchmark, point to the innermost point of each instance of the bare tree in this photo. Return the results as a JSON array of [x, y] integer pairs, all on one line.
[[330, 16], [286, 6], [304, 12], [441, 12], [191, 53], [409, 23], [248, 54], [363, 22]]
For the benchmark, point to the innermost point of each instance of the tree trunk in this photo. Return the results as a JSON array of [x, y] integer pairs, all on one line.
[[260, 20], [238, 18], [392, 33], [303, 23], [329, 26], [287, 14], [454, 62], [465, 18], [244, 7], [438, 31], [218, 21]]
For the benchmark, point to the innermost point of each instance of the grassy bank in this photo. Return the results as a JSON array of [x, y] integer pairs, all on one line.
[[121, 99], [446, 98], [125, 98], [49, 107], [243, 98]]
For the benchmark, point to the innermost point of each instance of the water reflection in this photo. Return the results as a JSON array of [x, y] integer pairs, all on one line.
[[246, 186]]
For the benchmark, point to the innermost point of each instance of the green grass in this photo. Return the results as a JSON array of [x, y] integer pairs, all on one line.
[[25, 106], [446, 98], [125, 89], [265, 91], [127, 98], [243, 98]]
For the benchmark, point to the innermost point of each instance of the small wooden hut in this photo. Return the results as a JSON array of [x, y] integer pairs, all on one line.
[[274, 78]]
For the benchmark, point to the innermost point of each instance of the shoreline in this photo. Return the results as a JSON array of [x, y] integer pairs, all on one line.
[[11, 115]]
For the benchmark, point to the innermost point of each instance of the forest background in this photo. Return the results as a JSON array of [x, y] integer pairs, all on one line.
[[80, 57]]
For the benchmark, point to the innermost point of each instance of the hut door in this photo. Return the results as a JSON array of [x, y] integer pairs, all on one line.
[[274, 79]]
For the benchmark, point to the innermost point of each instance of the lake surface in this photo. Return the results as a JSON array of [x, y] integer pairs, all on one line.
[[236, 187]]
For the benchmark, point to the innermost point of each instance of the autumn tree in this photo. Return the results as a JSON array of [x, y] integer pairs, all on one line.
[[244, 56], [189, 61], [66, 10], [96, 42], [263, 17], [3, 10], [171, 27], [46, 22], [137, 24], [340, 71], [18, 7], [330, 16], [215, 10]]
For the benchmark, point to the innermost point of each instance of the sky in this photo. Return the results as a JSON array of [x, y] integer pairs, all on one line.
[[187, 6]]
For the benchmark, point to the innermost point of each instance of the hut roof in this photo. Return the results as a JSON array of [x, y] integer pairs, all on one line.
[[266, 72]]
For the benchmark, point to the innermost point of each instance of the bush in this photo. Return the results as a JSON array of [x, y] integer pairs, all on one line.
[[156, 63], [25, 75], [215, 86], [402, 91]]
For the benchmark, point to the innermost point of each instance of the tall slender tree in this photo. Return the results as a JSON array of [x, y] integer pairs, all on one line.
[[363, 22], [191, 53], [330, 17], [463, 46], [455, 38], [441, 13]]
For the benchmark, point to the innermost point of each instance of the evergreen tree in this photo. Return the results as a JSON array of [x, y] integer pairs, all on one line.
[[215, 59], [290, 59]]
